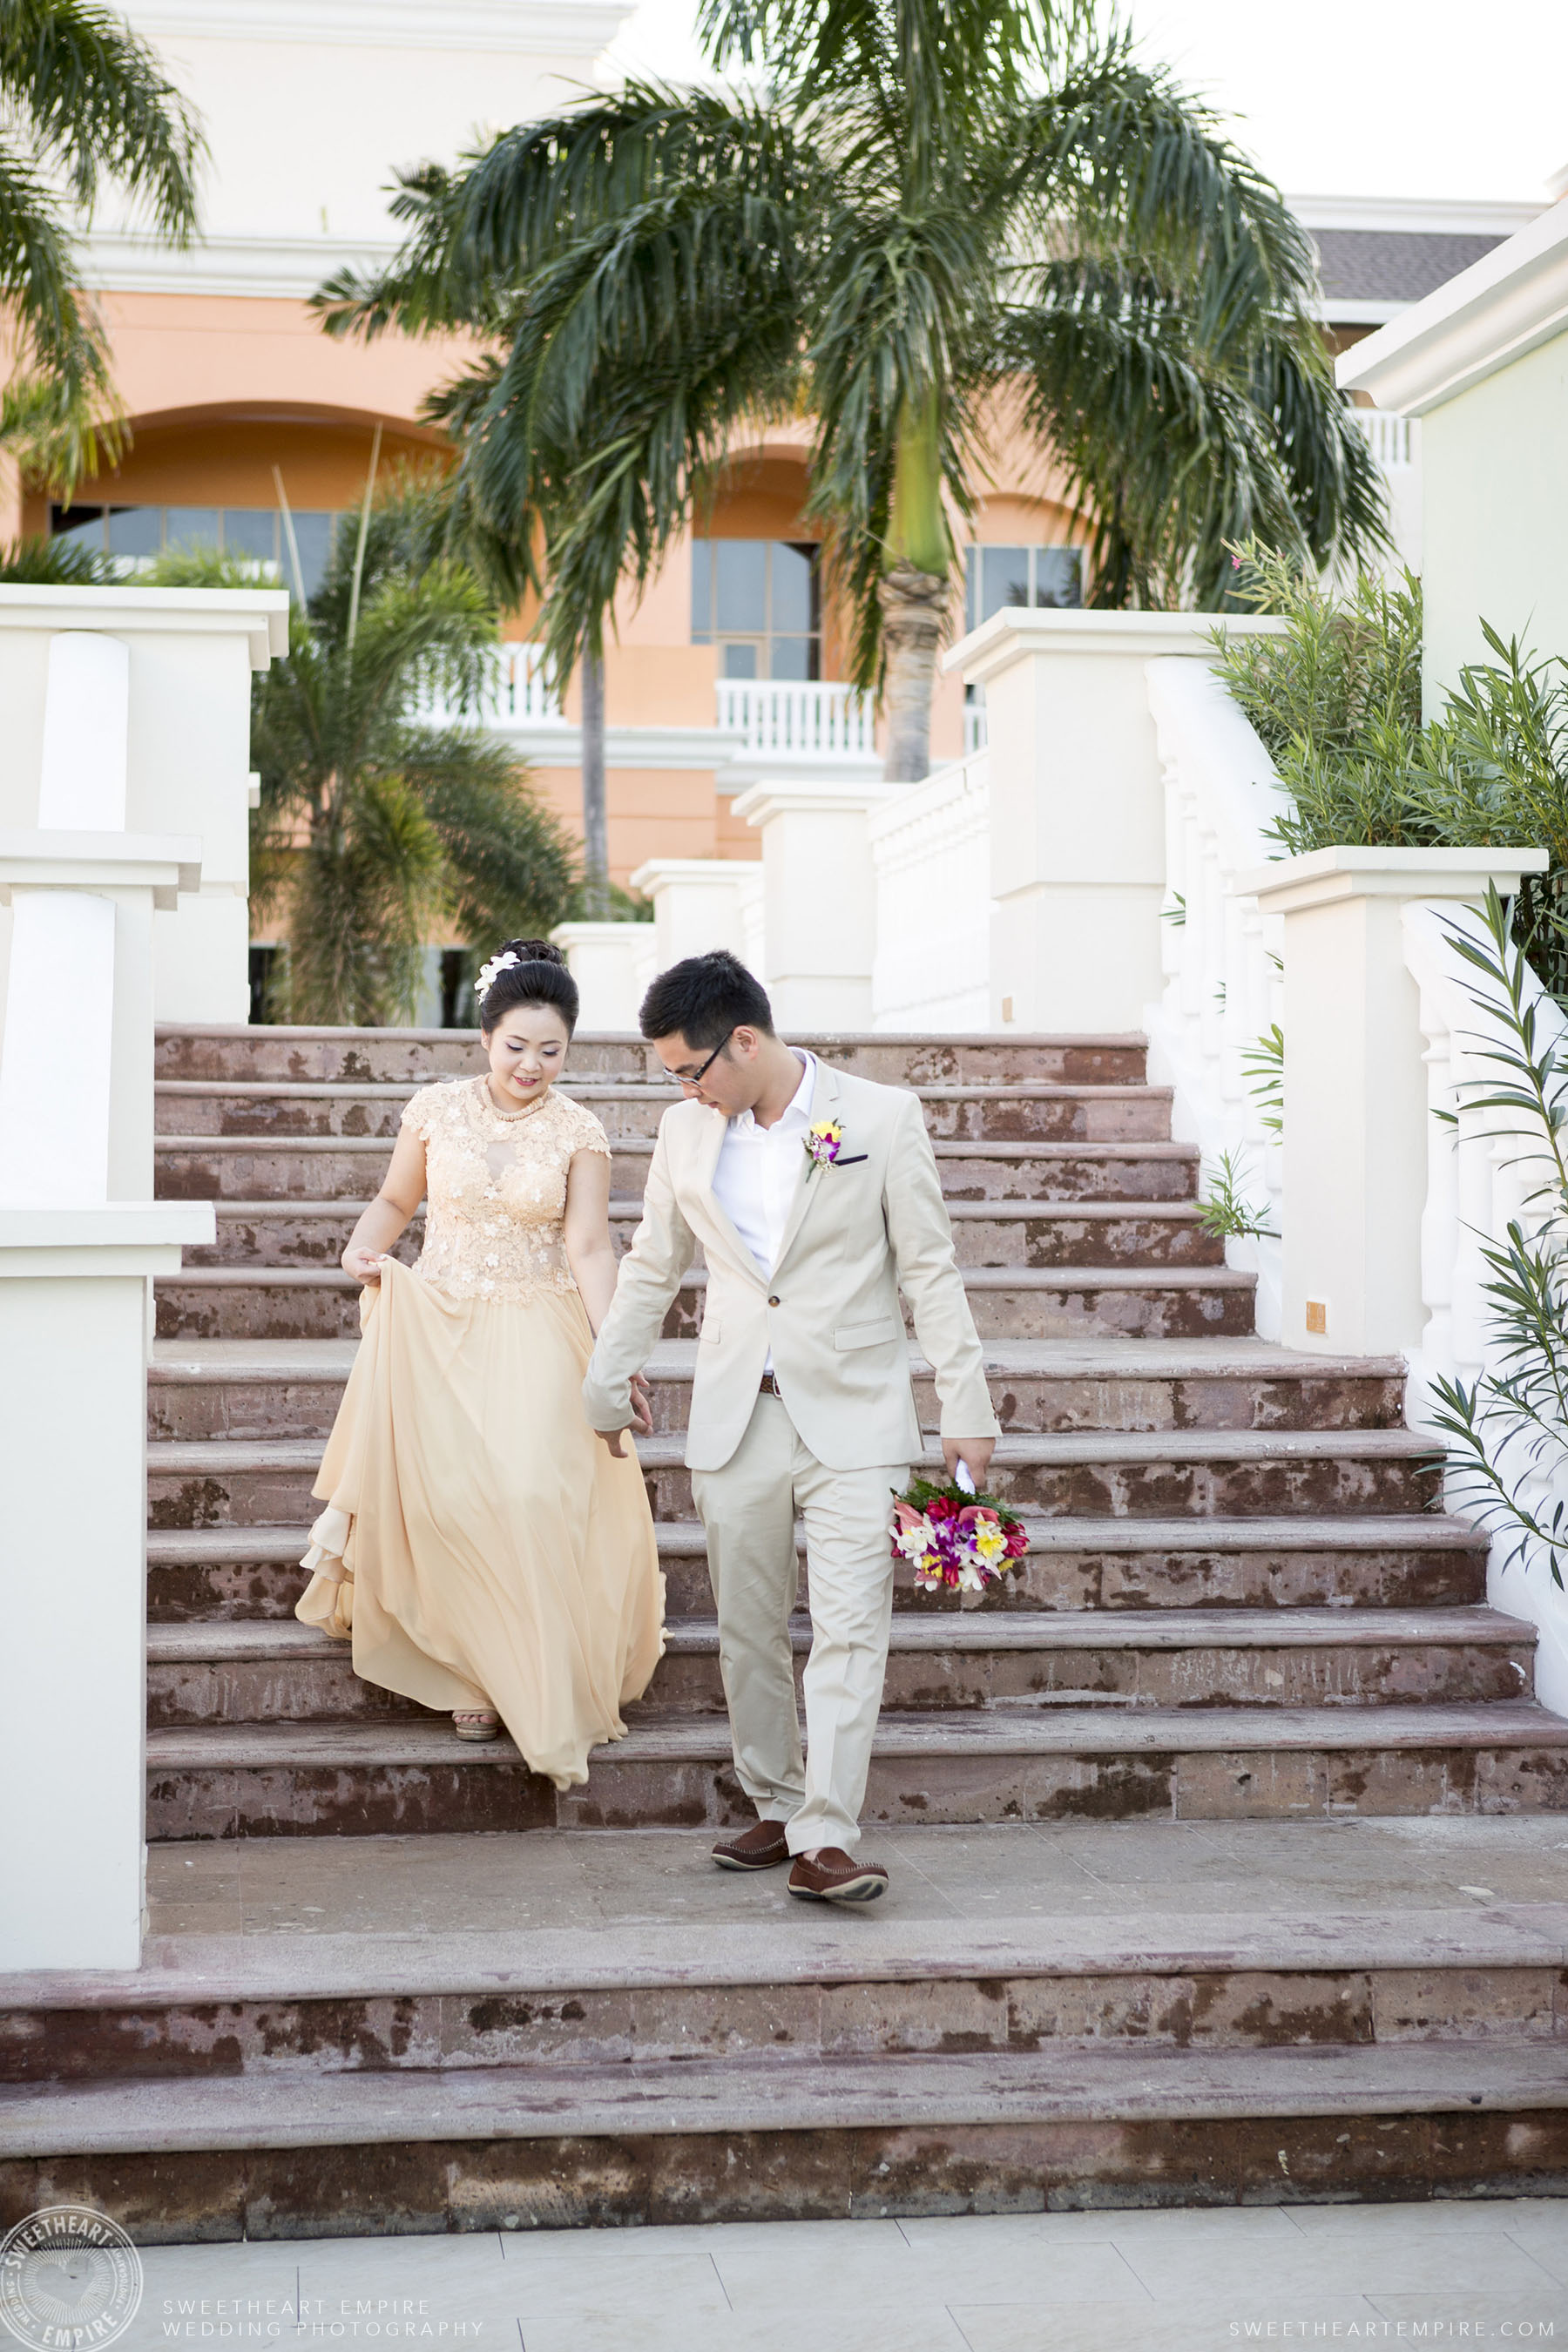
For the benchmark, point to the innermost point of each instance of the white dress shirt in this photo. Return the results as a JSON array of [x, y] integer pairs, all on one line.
[[759, 1168]]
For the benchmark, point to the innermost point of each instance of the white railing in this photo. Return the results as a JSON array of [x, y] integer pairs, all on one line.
[[974, 724], [1394, 440], [814, 721], [1478, 1183], [1223, 985], [517, 693], [931, 854]]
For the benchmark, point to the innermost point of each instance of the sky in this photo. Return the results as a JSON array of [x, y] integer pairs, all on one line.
[[1434, 98]]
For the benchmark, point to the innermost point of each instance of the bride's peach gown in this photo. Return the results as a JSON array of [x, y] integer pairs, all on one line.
[[479, 1545]]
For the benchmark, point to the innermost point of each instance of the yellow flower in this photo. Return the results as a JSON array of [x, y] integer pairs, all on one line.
[[824, 1142]]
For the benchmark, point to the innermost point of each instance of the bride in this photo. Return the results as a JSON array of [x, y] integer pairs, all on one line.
[[481, 1547]]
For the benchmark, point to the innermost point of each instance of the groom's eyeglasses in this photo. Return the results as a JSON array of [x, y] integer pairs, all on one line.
[[696, 1077]]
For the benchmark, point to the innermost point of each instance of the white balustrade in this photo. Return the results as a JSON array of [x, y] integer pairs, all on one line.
[[127, 707], [930, 848], [974, 734], [517, 692], [797, 721], [819, 897], [1396, 440], [606, 959], [1224, 983], [1479, 1181], [696, 905]]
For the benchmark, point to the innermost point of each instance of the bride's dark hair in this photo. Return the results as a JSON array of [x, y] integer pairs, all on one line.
[[538, 977]]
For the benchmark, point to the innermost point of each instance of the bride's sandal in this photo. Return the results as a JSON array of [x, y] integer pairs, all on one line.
[[476, 1723]]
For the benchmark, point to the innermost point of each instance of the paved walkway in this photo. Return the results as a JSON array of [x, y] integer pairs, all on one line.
[[1133, 2282]]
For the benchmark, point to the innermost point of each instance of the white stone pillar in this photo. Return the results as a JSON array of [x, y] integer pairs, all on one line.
[[819, 899], [697, 905], [1077, 809], [169, 670], [73, 1574], [605, 960], [1357, 1123]]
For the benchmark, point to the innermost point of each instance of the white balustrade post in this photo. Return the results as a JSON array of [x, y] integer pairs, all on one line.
[[1356, 1109], [696, 904], [1078, 810], [819, 891], [606, 959], [118, 707]]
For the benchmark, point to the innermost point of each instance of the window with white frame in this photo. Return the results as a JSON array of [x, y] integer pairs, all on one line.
[[997, 577], [760, 602], [254, 534]]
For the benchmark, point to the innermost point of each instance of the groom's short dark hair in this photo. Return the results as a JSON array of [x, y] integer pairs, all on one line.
[[702, 998]]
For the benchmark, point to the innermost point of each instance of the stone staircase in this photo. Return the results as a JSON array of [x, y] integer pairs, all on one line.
[[1241, 1603]]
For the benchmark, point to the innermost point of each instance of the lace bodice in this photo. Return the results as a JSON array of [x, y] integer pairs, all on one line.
[[496, 1188]]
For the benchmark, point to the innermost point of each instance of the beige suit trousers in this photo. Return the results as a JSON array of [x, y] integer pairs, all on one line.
[[748, 1509]]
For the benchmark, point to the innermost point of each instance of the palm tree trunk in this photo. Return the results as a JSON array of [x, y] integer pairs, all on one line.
[[596, 828], [915, 606]]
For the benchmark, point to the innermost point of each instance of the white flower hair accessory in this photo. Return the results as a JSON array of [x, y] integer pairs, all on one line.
[[490, 972]]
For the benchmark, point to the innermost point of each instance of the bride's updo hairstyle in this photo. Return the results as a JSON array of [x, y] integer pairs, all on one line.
[[525, 971]]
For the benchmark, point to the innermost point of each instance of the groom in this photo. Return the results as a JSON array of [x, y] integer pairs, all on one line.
[[816, 1198]]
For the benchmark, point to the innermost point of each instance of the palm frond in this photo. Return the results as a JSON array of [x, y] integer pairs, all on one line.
[[43, 562], [509, 865], [96, 101]]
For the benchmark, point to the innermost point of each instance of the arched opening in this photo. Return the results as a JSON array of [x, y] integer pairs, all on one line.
[[209, 478]]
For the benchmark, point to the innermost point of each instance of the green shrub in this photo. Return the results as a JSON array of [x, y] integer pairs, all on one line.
[[1337, 701]]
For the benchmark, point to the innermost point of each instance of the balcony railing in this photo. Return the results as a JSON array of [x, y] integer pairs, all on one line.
[[516, 695], [1392, 438], [797, 721]]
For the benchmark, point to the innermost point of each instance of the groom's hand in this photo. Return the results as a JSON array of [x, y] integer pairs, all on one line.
[[642, 1418], [973, 1452]]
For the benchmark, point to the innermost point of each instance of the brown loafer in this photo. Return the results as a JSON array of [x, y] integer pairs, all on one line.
[[761, 1847], [833, 1877]]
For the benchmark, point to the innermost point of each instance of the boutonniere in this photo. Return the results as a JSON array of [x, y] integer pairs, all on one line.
[[825, 1148]]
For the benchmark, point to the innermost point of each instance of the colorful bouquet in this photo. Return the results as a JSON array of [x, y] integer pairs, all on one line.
[[955, 1540]]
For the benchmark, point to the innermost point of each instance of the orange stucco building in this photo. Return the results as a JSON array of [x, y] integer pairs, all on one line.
[[229, 385], [728, 669]]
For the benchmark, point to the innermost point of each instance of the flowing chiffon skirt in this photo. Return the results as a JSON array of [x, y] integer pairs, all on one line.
[[481, 1546]]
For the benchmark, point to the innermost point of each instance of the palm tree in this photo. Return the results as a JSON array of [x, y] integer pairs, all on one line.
[[85, 100], [921, 223], [378, 824]]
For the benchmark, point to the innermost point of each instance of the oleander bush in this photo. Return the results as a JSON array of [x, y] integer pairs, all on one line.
[[1337, 701]]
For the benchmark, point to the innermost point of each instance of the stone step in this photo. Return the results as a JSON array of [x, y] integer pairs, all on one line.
[[231, 1574], [307, 2007], [336, 1168], [233, 1674], [771, 2136], [371, 1055], [1074, 1473], [278, 1388], [239, 1302], [986, 1232], [1057, 1764], [1005, 1112]]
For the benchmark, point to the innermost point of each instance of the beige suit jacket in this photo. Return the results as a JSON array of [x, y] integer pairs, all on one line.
[[857, 1234]]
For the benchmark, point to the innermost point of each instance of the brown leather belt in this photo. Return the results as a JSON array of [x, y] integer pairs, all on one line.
[[770, 1384]]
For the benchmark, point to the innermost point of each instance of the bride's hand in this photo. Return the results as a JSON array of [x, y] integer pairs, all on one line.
[[363, 1264], [642, 1405]]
